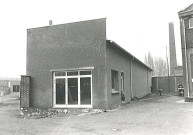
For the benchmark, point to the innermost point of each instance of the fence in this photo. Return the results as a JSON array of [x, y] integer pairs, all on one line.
[[167, 83]]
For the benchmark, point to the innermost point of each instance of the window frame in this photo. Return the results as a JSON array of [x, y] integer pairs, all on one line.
[[189, 22], [66, 77], [122, 81], [114, 81]]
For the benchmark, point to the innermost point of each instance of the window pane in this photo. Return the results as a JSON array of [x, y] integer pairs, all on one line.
[[191, 23], [114, 79], [85, 91], [60, 91], [85, 72], [72, 91], [60, 73], [72, 73]]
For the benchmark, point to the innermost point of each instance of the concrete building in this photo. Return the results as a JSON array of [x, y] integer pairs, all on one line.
[[186, 29], [74, 66]]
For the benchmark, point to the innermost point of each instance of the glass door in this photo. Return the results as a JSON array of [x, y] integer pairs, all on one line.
[[60, 91], [85, 91], [73, 91]]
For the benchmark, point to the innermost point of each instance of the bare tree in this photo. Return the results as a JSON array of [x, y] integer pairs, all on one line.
[[158, 64], [160, 67], [149, 60]]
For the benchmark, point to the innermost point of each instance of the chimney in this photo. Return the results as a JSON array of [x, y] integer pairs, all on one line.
[[172, 48], [50, 22]]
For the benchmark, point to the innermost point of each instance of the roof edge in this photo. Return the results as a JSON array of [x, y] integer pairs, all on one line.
[[122, 49], [67, 23], [184, 11]]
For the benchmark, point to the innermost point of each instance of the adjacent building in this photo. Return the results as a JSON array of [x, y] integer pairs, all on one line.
[[74, 66], [9, 85], [186, 29]]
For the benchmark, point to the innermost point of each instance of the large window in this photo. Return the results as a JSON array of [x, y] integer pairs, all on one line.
[[191, 23], [115, 80], [73, 88]]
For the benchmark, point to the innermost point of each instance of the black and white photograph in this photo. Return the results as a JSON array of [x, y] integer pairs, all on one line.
[[96, 67]]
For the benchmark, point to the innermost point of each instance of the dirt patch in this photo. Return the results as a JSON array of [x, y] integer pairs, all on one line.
[[39, 113]]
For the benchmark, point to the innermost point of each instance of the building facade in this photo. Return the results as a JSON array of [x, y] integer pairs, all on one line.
[[74, 66], [186, 29]]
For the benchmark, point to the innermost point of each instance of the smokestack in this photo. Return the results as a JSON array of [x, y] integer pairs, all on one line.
[[50, 22], [172, 48]]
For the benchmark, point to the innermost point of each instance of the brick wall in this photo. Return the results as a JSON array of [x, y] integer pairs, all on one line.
[[25, 91], [188, 34]]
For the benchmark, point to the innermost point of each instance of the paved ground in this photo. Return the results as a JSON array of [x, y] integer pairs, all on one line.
[[166, 115]]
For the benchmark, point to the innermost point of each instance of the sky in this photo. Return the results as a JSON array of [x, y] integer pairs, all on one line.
[[139, 26]]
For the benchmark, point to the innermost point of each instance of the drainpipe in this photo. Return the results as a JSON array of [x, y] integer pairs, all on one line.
[[131, 80]]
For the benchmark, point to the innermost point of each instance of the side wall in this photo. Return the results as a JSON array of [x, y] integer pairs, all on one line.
[[66, 46], [137, 78], [141, 80], [117, 60]]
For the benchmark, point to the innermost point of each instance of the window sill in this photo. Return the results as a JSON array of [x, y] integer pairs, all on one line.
[[114, 92], [189, 28]]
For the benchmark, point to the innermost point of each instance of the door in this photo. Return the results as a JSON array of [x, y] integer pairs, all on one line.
[[72, 91], [85, 91], [60, 86]]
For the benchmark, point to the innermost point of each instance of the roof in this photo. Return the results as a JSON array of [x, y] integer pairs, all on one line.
[[186, 11], [112, 43]]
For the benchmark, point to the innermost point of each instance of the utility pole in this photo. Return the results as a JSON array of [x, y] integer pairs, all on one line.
[[168, 70]]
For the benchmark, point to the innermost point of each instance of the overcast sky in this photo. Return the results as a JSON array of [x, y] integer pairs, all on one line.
[[139, 26]]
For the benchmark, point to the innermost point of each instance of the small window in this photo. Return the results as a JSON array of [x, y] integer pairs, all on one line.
[[122, 81], [72, 73], [60, 73], [85, 72], [191, 23], [115, 81]]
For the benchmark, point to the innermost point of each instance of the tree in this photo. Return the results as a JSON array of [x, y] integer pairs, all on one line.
[[149, 61], [160, 67], [157, 64]]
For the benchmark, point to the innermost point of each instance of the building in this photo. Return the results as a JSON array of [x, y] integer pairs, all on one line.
[[9, 85], [186, 30], [74, 66]]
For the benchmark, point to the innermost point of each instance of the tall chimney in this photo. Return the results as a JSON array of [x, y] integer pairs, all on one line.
[[50, 22], [172, 48]]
